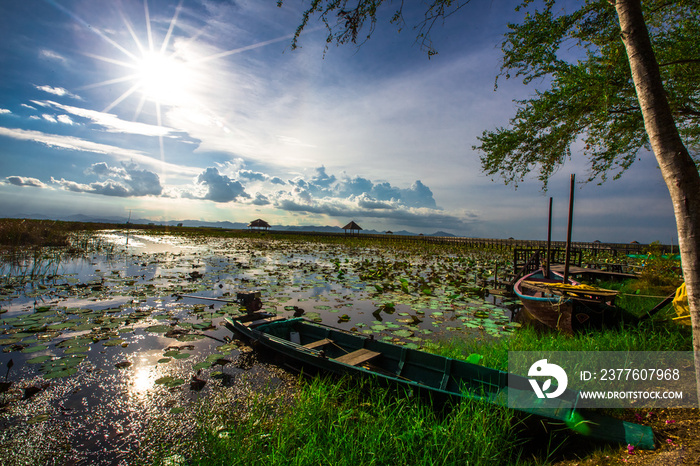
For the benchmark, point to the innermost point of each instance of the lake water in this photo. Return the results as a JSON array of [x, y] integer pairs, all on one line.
[[101, 349]]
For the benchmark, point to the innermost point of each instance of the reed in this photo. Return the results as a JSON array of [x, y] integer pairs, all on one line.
[[40, 233]]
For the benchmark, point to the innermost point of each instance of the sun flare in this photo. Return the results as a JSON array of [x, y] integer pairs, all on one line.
[[164, 79]]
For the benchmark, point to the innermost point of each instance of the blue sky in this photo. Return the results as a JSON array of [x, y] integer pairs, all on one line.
[[201, 110]]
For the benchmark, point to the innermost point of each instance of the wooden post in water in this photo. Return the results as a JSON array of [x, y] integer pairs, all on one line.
[[549, 241], [568, 230], [127, 229]]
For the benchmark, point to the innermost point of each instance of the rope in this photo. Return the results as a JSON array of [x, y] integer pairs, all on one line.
[[643, 295]]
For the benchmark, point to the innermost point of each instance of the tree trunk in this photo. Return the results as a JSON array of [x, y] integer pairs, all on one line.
[[677, 167]]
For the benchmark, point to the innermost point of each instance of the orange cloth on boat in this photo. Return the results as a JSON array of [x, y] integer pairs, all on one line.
[[680, 304]]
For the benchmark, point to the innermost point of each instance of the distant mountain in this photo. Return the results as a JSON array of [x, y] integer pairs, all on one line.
[[442, 233]]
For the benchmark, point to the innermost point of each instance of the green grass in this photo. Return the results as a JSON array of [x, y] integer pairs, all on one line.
[[355, 423], [647, 336]]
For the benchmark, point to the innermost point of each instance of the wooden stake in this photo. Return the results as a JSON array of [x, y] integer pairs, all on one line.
[[568, 230], [549, 240]]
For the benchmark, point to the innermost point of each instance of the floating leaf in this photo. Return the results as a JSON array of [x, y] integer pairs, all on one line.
[[202, 365], [61, 373], [38, 418], [227, 348], [169, 381], [34, 349], [158, 328], [10, 341], [39, 359], [113, 342]]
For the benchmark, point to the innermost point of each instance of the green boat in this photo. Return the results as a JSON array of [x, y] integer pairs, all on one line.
[[342, 352]]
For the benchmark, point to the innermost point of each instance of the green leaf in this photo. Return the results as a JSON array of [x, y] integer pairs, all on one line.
[[34, 349], [39, 359]]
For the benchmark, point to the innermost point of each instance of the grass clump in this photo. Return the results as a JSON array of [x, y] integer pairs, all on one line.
[[349, 423], [39, 233], [647, 336]]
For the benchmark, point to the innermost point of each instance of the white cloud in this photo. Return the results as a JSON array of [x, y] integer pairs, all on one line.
[[125, 181], [4, 111], [221, 188], [51, 55], [59, 91], [25, 181], [50, 118], [82, 145], [110, 122], [65, 119]]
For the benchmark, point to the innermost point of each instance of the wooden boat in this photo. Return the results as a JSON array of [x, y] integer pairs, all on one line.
[[342, 352], [566, 307]]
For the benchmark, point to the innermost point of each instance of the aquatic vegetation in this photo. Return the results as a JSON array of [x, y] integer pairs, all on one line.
[[120, 320]]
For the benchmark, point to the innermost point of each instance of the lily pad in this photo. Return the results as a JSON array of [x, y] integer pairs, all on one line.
[[39, 359], [38, 418], [113, 342], [61, 373], [158, 328], [170, 381], [34, 349]]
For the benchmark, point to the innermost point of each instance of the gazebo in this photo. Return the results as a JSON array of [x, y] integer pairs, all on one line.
[[353, 227], [259, 224]]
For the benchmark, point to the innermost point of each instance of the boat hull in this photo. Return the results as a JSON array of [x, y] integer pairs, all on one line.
[[564, 313]]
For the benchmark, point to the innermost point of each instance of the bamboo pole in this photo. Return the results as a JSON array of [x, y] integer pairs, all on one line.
[[549, 240], [568, 230]]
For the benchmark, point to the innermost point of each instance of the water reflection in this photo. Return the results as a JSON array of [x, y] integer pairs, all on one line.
[[142, 380]]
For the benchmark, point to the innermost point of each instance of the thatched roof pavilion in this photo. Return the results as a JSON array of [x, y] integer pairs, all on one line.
[[259, 224], [353, 227]]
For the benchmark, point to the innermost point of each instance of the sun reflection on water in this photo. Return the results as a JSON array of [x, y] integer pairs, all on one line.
[[142, 380]]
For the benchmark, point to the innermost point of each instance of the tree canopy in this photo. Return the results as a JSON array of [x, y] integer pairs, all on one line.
[[591, 103]]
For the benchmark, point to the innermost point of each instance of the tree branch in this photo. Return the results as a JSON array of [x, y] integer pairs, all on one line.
[[678, 62]]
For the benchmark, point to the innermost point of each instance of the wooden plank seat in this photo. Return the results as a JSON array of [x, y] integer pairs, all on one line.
[[318, 343], [357, 357]]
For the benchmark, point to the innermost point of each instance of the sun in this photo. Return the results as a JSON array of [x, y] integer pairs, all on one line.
[[167, 80], [174, 73], [164, 74]]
